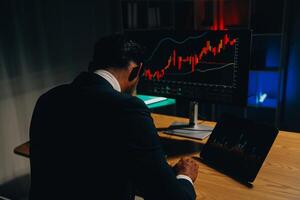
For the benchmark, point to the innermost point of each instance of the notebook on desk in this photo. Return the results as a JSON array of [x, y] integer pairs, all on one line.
[[148, 100]]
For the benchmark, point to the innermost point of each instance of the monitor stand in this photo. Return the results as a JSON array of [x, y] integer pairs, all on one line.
[[192, 129]]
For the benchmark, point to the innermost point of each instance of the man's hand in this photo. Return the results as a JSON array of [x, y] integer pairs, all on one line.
[[188, 167]]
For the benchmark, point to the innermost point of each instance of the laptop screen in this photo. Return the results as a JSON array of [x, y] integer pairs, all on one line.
[[238, 147]]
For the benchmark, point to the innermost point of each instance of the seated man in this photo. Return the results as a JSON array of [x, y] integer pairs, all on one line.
[[91, 139]]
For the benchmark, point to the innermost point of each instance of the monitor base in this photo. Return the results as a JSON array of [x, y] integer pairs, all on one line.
[[192, 129]]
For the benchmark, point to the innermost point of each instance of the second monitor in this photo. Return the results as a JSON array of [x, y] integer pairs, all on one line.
[[209, 66]]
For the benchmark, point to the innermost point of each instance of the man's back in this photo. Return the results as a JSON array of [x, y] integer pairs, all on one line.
[[90, 141]]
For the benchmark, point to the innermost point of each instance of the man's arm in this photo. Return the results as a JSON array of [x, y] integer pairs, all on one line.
[[150, 172]]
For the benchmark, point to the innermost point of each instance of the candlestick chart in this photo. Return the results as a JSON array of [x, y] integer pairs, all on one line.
[[203, 59], [209, 66]]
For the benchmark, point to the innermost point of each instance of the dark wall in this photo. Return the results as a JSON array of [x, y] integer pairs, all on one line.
[[291, 99], [52, 35], [43, 43]]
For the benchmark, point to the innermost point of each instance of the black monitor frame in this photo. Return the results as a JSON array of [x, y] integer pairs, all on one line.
[[190, 90]]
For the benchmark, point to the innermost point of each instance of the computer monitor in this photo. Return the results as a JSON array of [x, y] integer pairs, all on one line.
[[207, 66]]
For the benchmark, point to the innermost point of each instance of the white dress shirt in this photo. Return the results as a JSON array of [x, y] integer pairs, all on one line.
[[115, 84], [110, 78]]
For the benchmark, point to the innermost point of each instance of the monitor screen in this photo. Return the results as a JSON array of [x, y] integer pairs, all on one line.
[[209, 66]]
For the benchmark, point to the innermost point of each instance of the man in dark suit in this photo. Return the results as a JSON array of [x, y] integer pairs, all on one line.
[[91, 139]]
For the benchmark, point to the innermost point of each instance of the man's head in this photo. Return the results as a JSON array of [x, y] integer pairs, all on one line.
[[120, 56]]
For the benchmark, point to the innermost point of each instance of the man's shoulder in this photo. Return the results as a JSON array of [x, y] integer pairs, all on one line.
[[133, 102], [58, 90], [96, 94]]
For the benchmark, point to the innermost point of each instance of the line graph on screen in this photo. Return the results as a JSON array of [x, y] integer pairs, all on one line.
[[193, 56]]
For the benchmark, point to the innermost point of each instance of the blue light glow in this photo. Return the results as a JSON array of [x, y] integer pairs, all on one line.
[[273, 54], [263, 87], [262, 97]]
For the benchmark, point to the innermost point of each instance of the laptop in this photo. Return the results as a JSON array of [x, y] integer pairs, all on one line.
[[238, 147]]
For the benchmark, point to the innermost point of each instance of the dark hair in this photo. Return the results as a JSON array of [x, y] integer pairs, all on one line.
[[115, 51]]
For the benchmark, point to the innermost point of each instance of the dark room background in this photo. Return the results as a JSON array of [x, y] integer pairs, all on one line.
[[44, 43]]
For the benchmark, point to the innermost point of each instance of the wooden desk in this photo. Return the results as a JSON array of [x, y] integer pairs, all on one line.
[[279, 178]]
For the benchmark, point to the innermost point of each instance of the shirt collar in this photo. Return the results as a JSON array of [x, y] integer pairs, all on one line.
[[110, 78]]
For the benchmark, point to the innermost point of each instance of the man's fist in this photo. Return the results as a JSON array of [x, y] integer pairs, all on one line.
[[187, 166]]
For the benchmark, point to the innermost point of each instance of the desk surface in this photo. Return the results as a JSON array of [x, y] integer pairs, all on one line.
[[279, 177]]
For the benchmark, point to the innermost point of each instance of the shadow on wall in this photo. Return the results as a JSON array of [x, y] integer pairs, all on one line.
[[16, 189]]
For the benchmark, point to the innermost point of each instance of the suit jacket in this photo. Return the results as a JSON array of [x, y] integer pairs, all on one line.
[[89, 141]]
